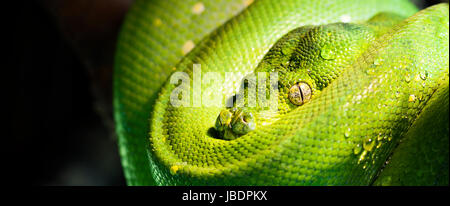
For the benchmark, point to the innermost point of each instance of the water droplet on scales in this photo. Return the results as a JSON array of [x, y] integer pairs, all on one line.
[[423, 75], [327, 53], [347, 133]]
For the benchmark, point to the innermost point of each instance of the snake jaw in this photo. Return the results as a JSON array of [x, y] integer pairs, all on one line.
[[234, 123], [223, 121]]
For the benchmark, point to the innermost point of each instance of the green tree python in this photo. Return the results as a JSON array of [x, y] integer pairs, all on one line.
[[362, 93]]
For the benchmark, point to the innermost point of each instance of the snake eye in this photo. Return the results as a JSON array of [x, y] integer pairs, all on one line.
[[300, 93]]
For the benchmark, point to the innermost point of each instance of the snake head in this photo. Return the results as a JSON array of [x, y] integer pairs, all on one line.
[[234, 122]]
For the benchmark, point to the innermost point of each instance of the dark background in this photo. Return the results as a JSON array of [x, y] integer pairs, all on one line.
[[57, 80], [58, 83]]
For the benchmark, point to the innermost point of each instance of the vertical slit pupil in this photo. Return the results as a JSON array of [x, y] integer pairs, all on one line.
[[301, 92]]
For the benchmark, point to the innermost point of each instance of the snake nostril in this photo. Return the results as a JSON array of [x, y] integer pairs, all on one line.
[[244, 124]]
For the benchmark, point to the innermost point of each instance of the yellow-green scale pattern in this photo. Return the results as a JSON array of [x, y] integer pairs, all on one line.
[[150, 44], [341, 137]]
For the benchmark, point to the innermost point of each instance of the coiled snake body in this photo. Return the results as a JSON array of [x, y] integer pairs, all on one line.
[[360, 84]]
